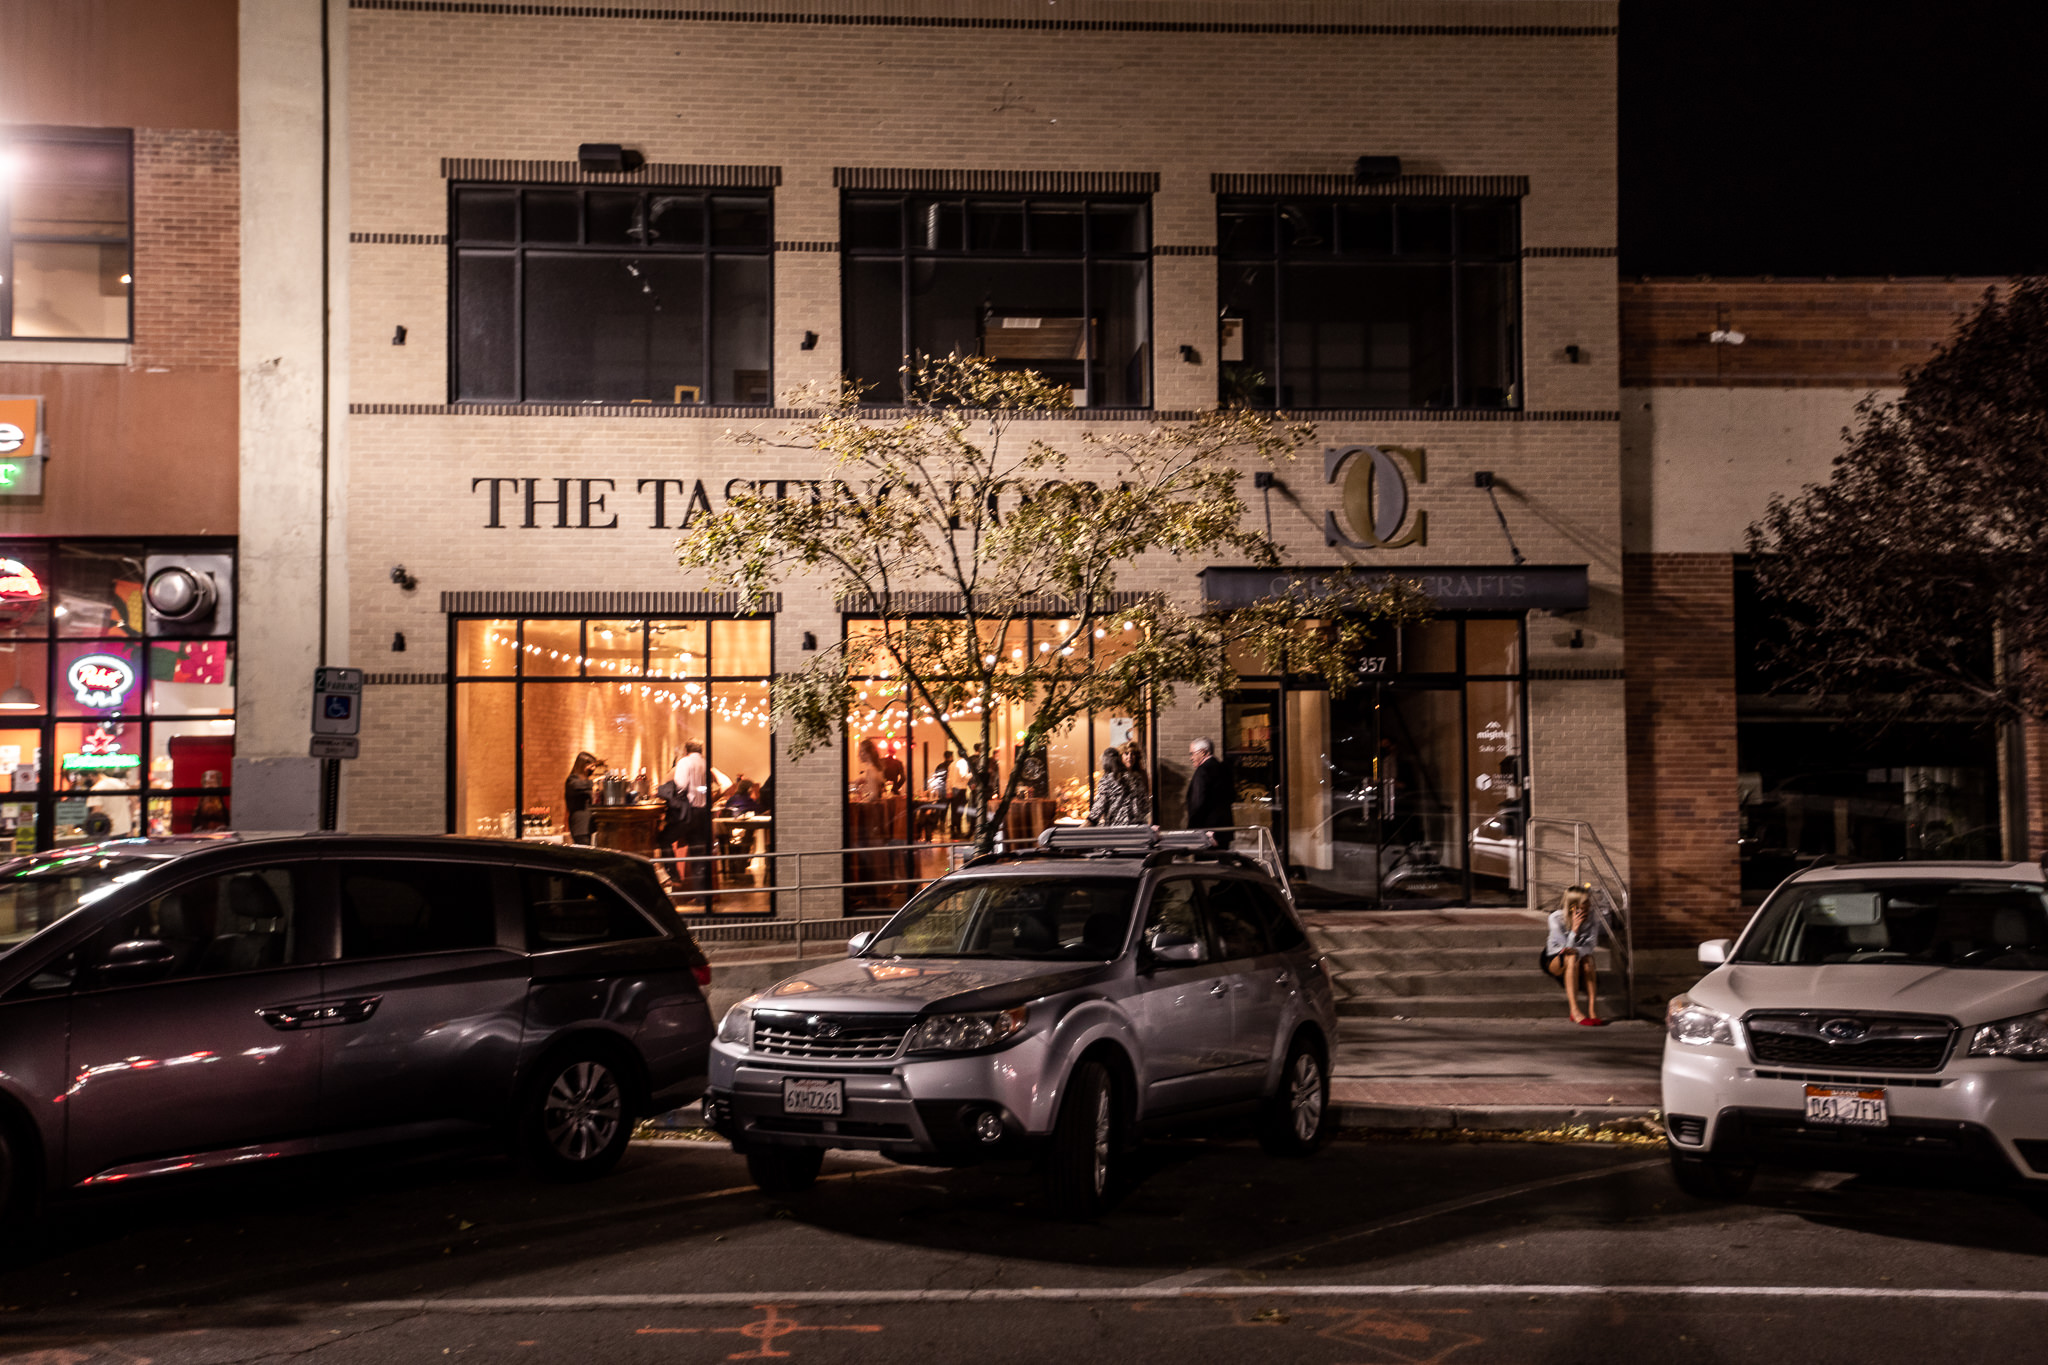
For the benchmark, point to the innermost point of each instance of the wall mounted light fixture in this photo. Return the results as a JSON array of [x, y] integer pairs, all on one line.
[[402, 578], [1572, 355], [810, 342], [1191, 355], [398, 336]]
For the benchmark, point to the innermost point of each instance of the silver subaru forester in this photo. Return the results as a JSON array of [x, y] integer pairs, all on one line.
[[1053, 1002]]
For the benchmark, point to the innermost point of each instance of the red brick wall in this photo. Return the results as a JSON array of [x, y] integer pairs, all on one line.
[[187, 244], [1685, 881]]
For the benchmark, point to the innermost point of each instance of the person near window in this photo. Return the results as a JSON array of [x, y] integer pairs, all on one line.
[[1134, 772], [933, 814], [692, 779], [1210, 804], [576, 795], [871, 782], [1568, 953], [1116, 799]]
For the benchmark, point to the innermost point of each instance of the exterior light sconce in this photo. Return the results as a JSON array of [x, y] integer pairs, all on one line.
[[1578, 640], [607, 158], [398, 336], [810, 640], [1725, 336], [1572, 355], [1191, 355], [403, 579], [810, 342], [398, 642]]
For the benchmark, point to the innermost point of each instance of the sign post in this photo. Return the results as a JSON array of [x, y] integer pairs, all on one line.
[[337, 721]]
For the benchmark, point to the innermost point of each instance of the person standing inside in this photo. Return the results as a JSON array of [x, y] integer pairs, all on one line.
[[576, 796], [693, 783], [1209, 794]]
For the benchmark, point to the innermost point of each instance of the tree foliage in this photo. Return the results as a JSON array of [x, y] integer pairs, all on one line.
[[947, 526], [1917, 572]]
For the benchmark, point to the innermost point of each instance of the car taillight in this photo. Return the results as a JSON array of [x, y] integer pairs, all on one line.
[[703, 975]]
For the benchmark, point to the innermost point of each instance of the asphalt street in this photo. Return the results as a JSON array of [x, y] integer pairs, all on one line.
[[1374, 1251]]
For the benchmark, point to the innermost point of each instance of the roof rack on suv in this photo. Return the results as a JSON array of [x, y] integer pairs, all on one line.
[[1157, 847]]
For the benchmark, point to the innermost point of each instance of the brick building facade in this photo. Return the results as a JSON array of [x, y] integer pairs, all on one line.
[[1178, 105]]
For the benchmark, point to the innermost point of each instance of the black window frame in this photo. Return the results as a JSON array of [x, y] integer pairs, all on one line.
[[18, 134], [1278, 255], [1025, 252], [517, 247]]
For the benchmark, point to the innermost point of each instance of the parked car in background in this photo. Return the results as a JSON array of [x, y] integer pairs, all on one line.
[[169, 1005], [1882, 1014], [1055, 1003]]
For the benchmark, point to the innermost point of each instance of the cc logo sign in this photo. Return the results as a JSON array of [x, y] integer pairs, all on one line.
[[1376, 496]]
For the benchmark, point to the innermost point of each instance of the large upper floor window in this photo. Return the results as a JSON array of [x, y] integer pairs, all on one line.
[[65, 256], [1057, 284], [1369, 303], [565, 294]]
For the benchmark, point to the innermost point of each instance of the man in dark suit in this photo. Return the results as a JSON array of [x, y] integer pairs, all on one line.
[[1209, 793]]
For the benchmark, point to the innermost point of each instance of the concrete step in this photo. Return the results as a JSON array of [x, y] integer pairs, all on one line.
[[1521, 957], [1378, 985], [1537, 1004], [1433, 936]]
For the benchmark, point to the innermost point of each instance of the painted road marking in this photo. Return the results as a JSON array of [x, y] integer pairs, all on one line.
[[816, 1298], [1399, 1220], [772, 1327]]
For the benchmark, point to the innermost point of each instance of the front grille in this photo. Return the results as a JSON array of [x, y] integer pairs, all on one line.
[[1830, 1078], [829, 1037], [1690, 1129], [1844, 1041]]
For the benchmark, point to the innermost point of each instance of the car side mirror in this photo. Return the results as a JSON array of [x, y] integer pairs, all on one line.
[[858, 944], [1715, 951], [1177, 948], [140, 959]]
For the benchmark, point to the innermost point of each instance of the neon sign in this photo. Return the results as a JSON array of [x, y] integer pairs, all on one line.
[[95, 763], [19, 586], [100, 681]]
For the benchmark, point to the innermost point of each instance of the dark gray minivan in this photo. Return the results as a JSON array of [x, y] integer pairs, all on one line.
[[199, 1002]]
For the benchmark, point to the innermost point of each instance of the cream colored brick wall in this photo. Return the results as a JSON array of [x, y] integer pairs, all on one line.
[[808, 97]]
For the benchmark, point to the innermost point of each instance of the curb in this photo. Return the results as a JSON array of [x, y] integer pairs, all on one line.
[[1494, 1117]]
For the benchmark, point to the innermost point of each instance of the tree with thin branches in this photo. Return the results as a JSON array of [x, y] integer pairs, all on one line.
[[947, 526]]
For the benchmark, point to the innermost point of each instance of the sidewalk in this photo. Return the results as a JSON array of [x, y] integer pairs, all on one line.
[[1493, 1073]]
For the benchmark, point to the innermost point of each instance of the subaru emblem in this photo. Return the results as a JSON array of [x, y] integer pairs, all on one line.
[[1844, 1030]]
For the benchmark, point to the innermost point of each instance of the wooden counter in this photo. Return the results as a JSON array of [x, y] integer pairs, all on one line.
[[630, 829]]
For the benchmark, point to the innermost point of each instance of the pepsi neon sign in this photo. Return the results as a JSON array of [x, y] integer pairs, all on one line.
[[100, 681]]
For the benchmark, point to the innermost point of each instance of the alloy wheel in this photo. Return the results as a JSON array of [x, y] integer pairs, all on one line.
[[1305, 1096], [583, 1111], [1102, 1137]]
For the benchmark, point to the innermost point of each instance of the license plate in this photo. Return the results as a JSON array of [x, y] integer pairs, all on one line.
[[1845, 1106], [807, 1095]]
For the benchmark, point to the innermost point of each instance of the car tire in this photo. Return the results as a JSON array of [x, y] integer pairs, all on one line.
[[785, 1170], [1082, 1160], [574, 1120], [1296, 1120], [1704, 1177]]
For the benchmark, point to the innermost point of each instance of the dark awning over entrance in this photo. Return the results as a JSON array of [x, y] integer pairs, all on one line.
[[1459, 587]]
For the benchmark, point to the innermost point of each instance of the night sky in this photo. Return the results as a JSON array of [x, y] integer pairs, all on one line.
[[1818, 137]]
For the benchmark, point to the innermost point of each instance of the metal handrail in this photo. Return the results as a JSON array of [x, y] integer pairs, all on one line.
[[1593, 867]]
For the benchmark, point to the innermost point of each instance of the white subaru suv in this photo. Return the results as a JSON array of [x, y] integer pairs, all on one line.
[[1871, 1015]]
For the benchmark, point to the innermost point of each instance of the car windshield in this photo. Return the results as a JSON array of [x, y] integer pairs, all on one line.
[[1041, 918], [37, 892], [1960, 922]]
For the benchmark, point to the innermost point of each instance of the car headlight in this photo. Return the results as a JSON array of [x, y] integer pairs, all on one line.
[[2024, 1036], [1690, 1022], [738, 1025], [963, 1032]]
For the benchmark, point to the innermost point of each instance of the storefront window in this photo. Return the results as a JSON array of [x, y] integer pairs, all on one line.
[[113, 722], [910, 791], [532, 694]]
